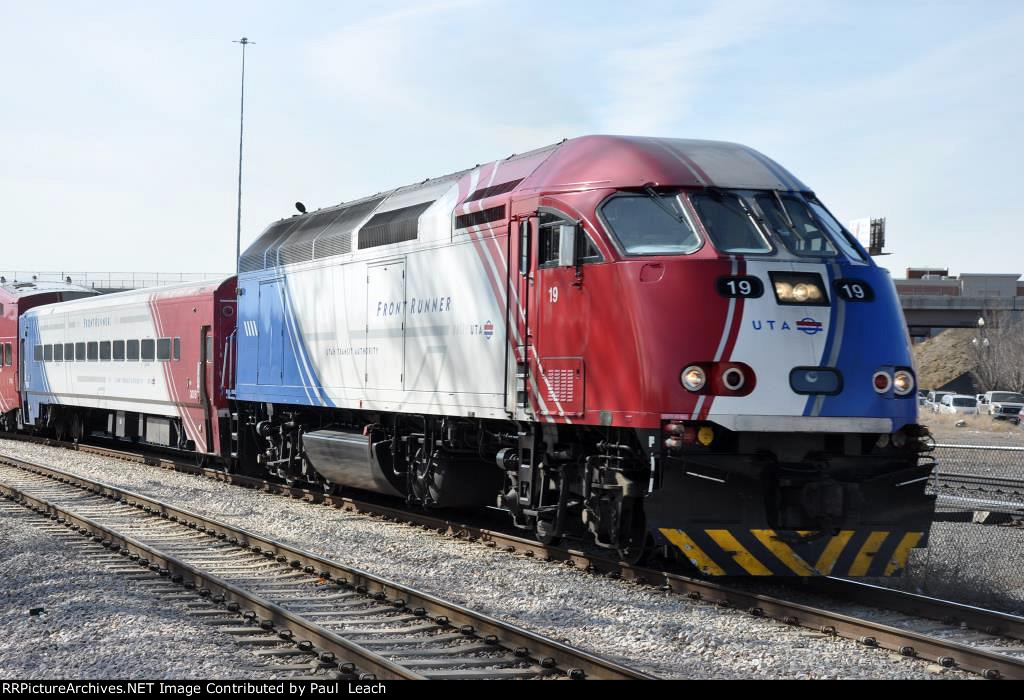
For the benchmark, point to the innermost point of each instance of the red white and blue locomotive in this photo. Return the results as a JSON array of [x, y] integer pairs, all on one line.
[[656, 344]]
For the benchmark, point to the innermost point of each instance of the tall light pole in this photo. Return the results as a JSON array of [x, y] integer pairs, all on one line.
[[244, 41]]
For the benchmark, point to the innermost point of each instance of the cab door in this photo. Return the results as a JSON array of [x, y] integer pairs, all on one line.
[[561, 302]]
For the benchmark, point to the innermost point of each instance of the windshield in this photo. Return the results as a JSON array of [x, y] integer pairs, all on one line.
[[739, 222], [795, 224], [965, 402], [650, 224], [1008, 396], [729, 223]]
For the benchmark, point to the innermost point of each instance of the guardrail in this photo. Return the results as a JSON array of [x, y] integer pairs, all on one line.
[[110, 280]]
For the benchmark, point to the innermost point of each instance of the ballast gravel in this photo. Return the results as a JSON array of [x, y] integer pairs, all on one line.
[[64, 615], [661, 633]]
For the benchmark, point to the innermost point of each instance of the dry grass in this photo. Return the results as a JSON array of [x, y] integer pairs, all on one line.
[[982, 424]]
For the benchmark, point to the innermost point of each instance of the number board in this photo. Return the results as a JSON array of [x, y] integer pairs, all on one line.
[[743, 287]]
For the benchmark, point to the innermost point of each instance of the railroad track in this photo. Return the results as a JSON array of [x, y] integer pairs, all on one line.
[[979, 483], [973, 639], [263, 590]]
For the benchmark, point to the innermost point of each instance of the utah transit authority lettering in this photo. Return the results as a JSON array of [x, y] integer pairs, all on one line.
[[191, 689]]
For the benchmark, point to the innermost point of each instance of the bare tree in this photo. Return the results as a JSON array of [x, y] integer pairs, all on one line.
[[998, 353]]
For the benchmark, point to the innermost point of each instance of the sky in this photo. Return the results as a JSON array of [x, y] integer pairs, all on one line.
[[119, 121]]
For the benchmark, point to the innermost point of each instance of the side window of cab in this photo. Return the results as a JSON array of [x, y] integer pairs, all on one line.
[[556, 232]]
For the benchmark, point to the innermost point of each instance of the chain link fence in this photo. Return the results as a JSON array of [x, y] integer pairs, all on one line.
[[975, 551]]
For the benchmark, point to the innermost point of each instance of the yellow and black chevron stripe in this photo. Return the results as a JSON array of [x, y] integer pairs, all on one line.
[[795, 552]]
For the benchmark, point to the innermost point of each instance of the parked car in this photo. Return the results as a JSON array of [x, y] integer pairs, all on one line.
[[1002, 405], [934, 400], [959, 404]]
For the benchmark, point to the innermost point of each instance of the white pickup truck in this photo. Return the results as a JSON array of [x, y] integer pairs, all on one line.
[[1002, 405]]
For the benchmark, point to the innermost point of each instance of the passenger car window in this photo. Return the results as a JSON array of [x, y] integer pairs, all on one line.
[[148, 349], [177, 349], [58, 352], [37, 353], [105, 350], [163, 349], [118, 350], [93, 351], [69, 352], [132, 350]]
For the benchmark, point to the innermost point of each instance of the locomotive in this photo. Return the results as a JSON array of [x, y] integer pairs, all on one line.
[[658, 345]]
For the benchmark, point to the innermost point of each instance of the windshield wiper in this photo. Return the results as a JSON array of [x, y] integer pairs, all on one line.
[[653, 194]]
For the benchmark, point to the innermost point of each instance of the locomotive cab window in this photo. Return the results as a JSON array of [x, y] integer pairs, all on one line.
[[650, 224], [729, 223], [132, 350], [148, 349], [163, 349], [550, 243]]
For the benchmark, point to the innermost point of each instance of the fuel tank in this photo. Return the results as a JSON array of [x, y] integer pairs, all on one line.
[[353, 459]]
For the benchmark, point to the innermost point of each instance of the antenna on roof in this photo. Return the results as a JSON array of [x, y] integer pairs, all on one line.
[[301, 207]]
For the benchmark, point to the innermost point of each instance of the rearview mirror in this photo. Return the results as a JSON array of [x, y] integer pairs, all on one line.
[[567, 245]]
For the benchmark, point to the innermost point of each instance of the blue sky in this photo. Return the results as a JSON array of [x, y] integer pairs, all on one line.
[[118, 121]]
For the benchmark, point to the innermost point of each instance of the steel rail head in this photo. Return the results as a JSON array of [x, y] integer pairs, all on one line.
[[537, 647]]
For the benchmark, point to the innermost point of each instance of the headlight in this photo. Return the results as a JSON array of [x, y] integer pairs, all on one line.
[[693, 378], [902, 382], [803, 288]]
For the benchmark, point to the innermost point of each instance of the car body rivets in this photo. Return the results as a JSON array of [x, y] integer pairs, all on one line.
[[521, 652], [577, 674]]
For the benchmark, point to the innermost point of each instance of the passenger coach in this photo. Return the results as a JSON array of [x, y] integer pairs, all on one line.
[[151, 365]]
